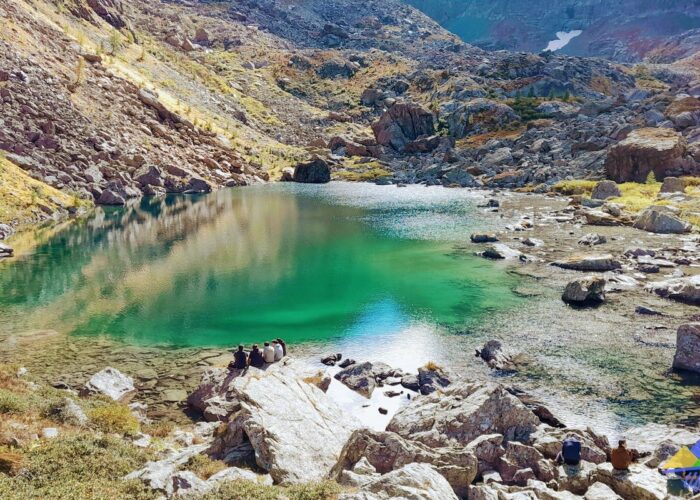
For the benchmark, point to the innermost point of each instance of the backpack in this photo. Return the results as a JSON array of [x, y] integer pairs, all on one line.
[[571, 451]]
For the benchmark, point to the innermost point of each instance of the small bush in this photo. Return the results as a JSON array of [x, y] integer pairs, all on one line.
[[159, 429], [114, 418], [12, 403], [204, 466], [247, 490], [10, 463], [651, 178], [432, 366], [314, 491]]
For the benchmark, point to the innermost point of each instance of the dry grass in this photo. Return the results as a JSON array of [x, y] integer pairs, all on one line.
[[204, 466], [574, 187], [114, 418], [432, 366], [476, 141]]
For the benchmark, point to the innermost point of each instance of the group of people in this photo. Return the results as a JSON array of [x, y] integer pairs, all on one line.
[[270, 353], [620, 457]]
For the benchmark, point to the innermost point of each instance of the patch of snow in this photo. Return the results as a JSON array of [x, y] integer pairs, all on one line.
[[563, 38]]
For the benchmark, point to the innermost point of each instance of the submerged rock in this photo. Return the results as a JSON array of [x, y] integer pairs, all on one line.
[[681, 289], [483, 238], [588, 290], [111, 383], [498, 357], [601, 263]]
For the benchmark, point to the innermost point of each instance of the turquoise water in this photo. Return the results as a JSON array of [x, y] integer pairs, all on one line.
[[307, 263]]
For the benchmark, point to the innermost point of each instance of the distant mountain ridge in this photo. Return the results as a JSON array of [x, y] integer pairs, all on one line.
[[627, 30]]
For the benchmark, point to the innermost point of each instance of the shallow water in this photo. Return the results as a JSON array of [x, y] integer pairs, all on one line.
[[306, 263]]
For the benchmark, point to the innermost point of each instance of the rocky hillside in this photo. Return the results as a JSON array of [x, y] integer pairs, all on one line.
[[127, 97], [630, 30]]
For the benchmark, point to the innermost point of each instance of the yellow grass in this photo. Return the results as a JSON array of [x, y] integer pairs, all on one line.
[[575, 187]]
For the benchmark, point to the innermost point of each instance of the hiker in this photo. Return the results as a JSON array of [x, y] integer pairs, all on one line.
[[269, 353], [570, 453], [284, 346], [240, 359], [279, 351], [256, 358], [621, 457]]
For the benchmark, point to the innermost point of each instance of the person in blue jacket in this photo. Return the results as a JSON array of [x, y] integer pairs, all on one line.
[[570, 453]]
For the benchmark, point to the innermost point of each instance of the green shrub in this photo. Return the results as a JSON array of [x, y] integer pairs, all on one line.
[[570, 188], [114, 418], [248, 490], [204, 466], [12, 403]]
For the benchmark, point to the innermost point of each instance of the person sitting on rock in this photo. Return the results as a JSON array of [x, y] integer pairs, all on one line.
[[284, 346], [269, 353], [621, 457], [240, 359], [256, 357], [570, 453], [279, 351]]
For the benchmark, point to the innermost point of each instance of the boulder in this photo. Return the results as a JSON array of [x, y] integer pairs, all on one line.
[[687, 355], [287, 174], [281, 420], [6, 231], [403, 123], [685, 289], [112, 383], [462, 412], [337, 67], [113, 194], [662, 220], [645, 150], [501, 251], [483, 238], [387, 451], [158, 475], [431, 378], [548, 441], [316, 171], [149, 175], [604, 190], [672, 185], [640, 482], [476, 116], [592, 262], [583, 291], [601, 491], [363, 377], [592, 239], [498, 357], [68, 412], [600, 218], [412, 481]]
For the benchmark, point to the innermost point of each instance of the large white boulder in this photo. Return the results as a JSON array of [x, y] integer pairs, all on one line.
[[111, 383]]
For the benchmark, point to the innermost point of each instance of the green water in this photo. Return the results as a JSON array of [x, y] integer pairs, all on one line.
[[307, 263]]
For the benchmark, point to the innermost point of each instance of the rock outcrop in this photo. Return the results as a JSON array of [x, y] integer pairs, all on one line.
[[403, 123], [476, 117], [316, 171], [364, 377], [461, 412], [662, 220], [588, 290], [264, 410], [681, 289], [112, 383], [658, 150]]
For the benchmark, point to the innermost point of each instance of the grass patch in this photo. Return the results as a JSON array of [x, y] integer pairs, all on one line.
[[246, 490], [636, 197], [80, 467], [575, 187], [432, 366], [11, 402], [159, 429], [204, 466], [362, 172], [115, 418]]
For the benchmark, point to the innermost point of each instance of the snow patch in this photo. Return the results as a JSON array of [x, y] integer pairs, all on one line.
[[563, 38]]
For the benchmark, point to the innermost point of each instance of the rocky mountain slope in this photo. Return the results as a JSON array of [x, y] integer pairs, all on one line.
[[630, 30], [111, 99]]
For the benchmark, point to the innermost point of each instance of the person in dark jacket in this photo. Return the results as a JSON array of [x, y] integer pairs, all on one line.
[[256, 358], [240, 359], [284, 346], [570, 453]]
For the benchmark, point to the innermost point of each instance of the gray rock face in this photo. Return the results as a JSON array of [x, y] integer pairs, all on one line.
[[604, 190], [413, 481], [501, 251], [588, 290], [431, 379], [111, 383], [498, 357], [640, 482], [462, 412], [6, 231], [681, 289], [281, 420], [363, 377], [6, 251], [592, 239], [476, 116], [659, 219], [114, 194], [688, 348], [387, 451], [315, 171], [600, 263]]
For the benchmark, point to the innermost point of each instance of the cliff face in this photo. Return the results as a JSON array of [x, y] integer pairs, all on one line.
[[628, 30]]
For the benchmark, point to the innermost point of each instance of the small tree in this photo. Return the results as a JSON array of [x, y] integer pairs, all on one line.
[[651, 178], [115, 42]]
